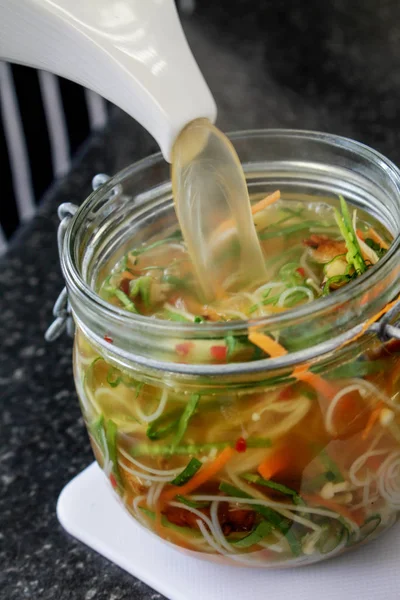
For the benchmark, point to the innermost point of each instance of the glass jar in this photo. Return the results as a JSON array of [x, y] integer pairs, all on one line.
[[182, 439]]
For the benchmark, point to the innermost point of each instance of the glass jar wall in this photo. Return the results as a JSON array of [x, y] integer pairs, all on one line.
[[258, 461]]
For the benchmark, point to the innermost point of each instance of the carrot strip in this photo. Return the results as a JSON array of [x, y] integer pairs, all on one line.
[[266, 343], [274, 464], [371, 321], [371, 233], [205, 473], [334, 506], [374, 416], [318, 383], [267, 201]]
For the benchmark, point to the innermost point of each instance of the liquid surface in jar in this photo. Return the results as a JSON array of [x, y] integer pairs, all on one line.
[[309, 250], [283, 472]]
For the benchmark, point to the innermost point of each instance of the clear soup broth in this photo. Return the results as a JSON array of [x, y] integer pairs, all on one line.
[[277, 475]]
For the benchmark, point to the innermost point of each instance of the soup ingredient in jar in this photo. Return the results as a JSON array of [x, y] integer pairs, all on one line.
[[310, 249]]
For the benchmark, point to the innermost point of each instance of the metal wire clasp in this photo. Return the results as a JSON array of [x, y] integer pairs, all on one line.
[[62, 308]]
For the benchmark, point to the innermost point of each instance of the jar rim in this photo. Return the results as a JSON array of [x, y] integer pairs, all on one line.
[[361, 285]]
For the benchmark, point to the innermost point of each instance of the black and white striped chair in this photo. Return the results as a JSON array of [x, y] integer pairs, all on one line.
[[43, 120]]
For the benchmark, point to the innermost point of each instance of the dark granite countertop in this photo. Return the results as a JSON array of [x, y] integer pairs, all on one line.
[[325, 67]]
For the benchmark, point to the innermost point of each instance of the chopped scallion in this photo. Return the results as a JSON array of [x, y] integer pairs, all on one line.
[[188, 472]]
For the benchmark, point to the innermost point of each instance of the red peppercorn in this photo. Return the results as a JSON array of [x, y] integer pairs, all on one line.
[[301, 271], [184, 349], [113, 481], [286, 393], [219, 352], [108, 339], [241, 445]]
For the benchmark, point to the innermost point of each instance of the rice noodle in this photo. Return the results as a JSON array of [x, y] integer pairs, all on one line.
[[373, 390], [84, 361], [234, 313], [157, 413], [171, 472], [270, 285], [389, 479], [296, 410], [276, 505], [93, 400], [137, 512], [297, 288], [209, 538], [335, 400], [242, 485], [280, 546], [115, 396], [308, 271], [157, 489], [179, 311], [217, 536], [301, 520], [366, 490], [147, 476], [312, 284], [359, 463], [309, 542], [285, 512], [217, 527]]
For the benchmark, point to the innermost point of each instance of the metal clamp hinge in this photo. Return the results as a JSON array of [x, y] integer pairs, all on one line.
[[62, 308]]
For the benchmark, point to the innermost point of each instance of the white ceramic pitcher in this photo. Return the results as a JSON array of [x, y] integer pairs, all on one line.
[[132, 52]]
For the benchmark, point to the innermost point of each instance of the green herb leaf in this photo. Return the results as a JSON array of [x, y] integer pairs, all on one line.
[[177, 235], [282, 231], [114, 377], [122, 297], [180, 450], [318, 482], [353, 256], [172, 316], [188, 472], [342, 279], [283, 489], [185, 418], [111, 436], [262, 530], [191, 503], [330, 465], [96, 429], [231, 344], [376, 247], [178, 282], [141, 286], [275, 519], [164, 425]]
